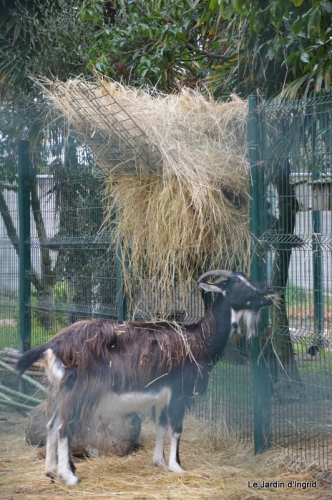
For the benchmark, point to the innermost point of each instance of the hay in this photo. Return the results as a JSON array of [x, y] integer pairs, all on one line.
[[218, 466], [176, 170]]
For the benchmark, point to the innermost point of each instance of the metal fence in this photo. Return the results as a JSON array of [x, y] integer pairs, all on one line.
[[277, 390], [292, 162]]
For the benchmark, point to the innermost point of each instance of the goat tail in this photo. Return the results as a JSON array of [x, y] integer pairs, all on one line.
[[28, 358]]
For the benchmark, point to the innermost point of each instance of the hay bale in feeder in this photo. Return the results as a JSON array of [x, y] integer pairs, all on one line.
[[175, 168], [106, 433]]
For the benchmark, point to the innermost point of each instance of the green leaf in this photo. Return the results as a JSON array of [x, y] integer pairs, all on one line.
[[318, 83], [327, 7], [291, 57], [100, 66], [297, 3], [314, 19], [213, 5], [95, 18], [216, 45], [305, 57], [297, 26], [321, 51], [181, 36], [238, 4]]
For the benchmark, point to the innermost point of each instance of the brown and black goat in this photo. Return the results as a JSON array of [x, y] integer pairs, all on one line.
[[135, 366]]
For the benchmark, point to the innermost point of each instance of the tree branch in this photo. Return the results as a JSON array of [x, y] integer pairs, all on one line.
[[46, 261], [205, 53], [12, 234], [8, 221]]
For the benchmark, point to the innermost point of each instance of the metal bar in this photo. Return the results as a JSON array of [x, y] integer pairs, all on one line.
[[261, 392], [317, 273], [24, 248], [254, 194], [316, 241], [120, 294]]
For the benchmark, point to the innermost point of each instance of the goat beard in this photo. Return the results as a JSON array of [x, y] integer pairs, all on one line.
[[251, 319]]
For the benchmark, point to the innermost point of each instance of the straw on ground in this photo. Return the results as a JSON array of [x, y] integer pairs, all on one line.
[[218, 466]]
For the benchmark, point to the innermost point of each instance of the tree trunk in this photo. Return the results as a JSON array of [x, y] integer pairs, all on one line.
[[46, 302], [8, 221], [12, 235], [47, 281], [288, 207]]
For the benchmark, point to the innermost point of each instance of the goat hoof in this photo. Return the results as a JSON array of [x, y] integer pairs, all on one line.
[[51, 476], [175, 468], [72, 481], [159, 463]]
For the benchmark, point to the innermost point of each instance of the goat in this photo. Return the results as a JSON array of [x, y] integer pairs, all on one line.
[[138, 366]]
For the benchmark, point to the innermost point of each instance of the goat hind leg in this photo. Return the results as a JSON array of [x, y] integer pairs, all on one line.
[[174, 457], [51, 460], [65, 465], [161, 423], [176, 414]]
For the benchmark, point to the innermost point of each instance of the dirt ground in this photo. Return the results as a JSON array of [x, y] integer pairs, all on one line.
[[217, 467]]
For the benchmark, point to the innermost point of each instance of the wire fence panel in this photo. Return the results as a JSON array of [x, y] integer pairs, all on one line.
[[73, 272], [229, 398], [296, 166], [9, 271]]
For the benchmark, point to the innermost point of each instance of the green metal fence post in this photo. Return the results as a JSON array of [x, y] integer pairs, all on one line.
[[120, 296], [24, 244], [317, 273], [316, 244], [261, 384]]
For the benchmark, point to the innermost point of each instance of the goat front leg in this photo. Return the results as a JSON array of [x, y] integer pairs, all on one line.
[[161, 424], [176, 411], [65, 464], [51, 460]]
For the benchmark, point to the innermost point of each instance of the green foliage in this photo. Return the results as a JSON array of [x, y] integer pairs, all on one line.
[[41, 38], [8, 166], [238, 45], [17, 121], [152, 42], [276, 46]]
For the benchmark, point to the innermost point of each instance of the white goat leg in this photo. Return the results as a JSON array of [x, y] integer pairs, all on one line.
[[64, 467], [158, 456], [51, 447], [161, 425], [174, 453]]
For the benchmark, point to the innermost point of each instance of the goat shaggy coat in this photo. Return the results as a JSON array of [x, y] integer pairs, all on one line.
[[100, 356]]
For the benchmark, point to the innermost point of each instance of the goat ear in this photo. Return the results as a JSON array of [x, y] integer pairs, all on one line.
[[209, 287]]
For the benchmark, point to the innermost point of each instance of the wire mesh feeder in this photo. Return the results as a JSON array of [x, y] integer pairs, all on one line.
[[115, 139]]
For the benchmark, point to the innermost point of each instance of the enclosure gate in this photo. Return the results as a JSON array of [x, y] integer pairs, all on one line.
[[291, 160]]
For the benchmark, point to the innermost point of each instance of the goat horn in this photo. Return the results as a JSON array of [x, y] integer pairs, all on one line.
[[219, 272]]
